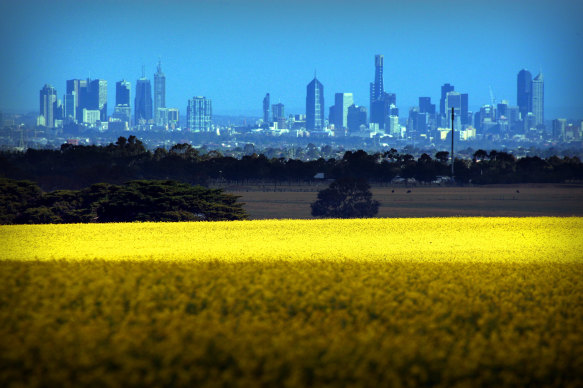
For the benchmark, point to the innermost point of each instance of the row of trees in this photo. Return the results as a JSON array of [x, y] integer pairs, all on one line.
[[75, 167], [23, 202]]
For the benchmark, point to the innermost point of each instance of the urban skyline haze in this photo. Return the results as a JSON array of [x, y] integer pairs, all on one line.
[[235, 52]]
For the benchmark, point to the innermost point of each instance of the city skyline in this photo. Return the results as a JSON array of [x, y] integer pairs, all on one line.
[[238, 52]]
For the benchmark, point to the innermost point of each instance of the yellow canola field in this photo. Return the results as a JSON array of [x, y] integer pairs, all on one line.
[[382, 302]]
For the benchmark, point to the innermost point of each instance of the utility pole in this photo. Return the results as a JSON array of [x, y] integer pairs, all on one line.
[[452, 158]]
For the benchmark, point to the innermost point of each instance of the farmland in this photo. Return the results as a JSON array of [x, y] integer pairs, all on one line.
[[269, 201], [399, 302]]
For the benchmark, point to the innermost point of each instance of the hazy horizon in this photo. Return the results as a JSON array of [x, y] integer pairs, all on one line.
[[236, 51]]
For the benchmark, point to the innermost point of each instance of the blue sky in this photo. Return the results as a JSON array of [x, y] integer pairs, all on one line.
[[235, 51]]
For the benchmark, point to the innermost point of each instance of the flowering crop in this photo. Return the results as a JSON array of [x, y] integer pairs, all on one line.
[[380, 302]]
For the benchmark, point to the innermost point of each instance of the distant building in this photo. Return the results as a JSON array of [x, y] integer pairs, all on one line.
[[315, 105], [168, 117], [454, 100], [379, 100], [91, 116], [394, 128], [48, 105], [122, 92], [266, 106], [159, 94], [341, 103], [199, 114], [425, 105], [98, 97], [464, 119], [143, 102], [69, 106], [356, 118], [80, 90], [559, 126], [278, 111], [538, 99], [446, 88], [122, 110], [524, 92]]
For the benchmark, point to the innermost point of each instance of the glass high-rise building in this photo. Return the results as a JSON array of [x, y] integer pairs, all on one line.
[[315, 105], [98, 97], [524, 92], [159, 93], [80, 88], [199, 114], [446, 88], [538, 99], [143, 102], [377, 93], [122, 92], [48, 105], [341, 103], [266, 106]]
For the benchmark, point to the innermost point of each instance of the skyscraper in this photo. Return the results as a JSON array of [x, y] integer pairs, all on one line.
[[425, 105], [341, 103], [98, 97], [454, 100], [266, 105], [538, 99], [80, 88], [159, 93], [48, 104], [122, 92], [278, 111], [122, 108], [524, 92], [199, 114], [446, 88], [315, 105], [143, 101], [377, 93], [356, 118], [464, 119]]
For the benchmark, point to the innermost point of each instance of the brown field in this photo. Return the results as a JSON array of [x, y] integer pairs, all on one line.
[[292, 201]]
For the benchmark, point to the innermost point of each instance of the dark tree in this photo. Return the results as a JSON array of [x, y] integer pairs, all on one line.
[[345, 198]]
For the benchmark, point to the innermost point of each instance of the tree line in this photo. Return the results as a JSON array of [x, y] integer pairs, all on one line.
[[23, 202], [77, 167]]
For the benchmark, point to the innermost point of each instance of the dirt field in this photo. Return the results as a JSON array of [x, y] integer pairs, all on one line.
[[262, 202]]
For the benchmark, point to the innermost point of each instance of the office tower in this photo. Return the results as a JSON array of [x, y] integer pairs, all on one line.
[[524, 92], [199, 114], [48, 105], [122, 92], [143, 101], [315, 105], [341, 103], [425, 105], [122, 109], [80, 88], [69, 106], [538, 99], [278, 111], [559, 126], [356, 118], [446, 88], [98, 97], [168, 117], [266, 105], [464, 119], [394, 129], [159, 93], [453, 100]]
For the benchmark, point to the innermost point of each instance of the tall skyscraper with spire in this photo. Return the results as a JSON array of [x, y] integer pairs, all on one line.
[[159, 93], [143, 101], [538, 99], [524, 92], [266, 106], [315, 105], [377, 93]]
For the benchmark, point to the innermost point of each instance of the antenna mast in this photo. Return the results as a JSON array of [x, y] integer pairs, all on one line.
[[452, 158]]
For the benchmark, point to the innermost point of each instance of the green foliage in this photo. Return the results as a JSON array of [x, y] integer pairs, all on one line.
[[24, 203], [346, 198]]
